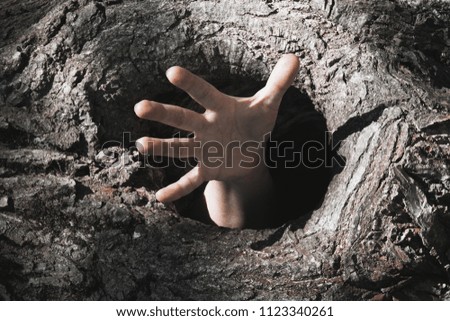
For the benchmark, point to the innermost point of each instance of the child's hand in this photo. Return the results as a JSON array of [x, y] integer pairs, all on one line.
[[227, 122]]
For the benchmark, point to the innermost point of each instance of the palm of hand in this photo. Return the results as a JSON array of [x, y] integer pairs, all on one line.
[[224, 135]]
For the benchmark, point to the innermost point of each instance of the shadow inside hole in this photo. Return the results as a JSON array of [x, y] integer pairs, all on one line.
[[301, 159], [299, 156]]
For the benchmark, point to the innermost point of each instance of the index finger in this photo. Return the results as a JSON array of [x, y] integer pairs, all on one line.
[[199, 89]]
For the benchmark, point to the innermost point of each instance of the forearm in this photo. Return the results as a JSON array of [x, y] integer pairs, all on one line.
[[243, 202]]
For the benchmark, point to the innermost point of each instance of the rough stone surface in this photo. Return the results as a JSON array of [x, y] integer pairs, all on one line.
[[78, 215]]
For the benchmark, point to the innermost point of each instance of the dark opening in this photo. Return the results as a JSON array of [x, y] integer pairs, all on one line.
[[301, 179], [302, 183], [299, 189]]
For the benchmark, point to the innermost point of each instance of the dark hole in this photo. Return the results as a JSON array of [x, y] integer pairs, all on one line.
[[300, 182], [298, 154], [302, 173]]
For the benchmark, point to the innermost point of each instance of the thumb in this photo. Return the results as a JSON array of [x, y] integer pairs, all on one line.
[[282, 76]]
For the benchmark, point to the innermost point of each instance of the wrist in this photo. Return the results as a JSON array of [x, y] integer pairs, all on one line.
[[251, 175]]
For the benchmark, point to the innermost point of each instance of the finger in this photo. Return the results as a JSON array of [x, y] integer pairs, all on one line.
[[282, 76], [171, 115], [171, 147], [182, 187], [199, 89]]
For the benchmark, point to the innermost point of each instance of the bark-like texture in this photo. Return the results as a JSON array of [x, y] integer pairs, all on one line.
[[78, 220]]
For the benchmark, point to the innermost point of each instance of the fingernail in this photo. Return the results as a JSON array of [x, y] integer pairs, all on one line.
[[167, 72], [140, 146], [158, 196]]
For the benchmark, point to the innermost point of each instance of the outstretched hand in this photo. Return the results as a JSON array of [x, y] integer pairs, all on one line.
[[229, 122]]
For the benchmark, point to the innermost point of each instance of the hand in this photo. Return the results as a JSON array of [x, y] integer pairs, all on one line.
[[219, 133]]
